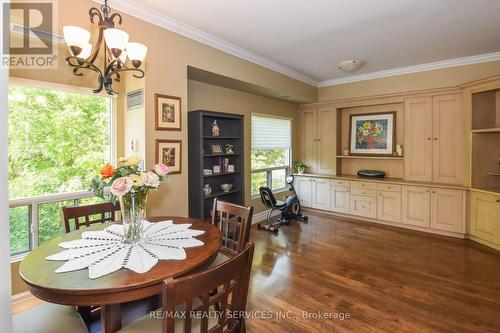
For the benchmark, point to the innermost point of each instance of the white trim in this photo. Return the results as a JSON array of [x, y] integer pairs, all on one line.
[[262, 216], [414, 69], [154, 17]]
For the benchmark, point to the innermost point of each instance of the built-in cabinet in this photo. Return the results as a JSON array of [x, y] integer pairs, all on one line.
[[485, 218], [318, 139], [435, 209], [434, 139]]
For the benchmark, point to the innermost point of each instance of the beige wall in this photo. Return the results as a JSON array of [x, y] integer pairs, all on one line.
[[209, 97], [441, 78]]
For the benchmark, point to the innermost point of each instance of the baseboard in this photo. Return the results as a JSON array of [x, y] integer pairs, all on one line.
[[24, 301], [262, 216]]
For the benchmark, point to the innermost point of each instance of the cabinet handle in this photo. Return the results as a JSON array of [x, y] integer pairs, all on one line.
[[429, 139], [435, 139], [433, 191], [427, 191], [498, 200]]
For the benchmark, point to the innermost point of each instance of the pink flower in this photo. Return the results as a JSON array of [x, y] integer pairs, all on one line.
[[150, 179], [161, 169], [121, 186]]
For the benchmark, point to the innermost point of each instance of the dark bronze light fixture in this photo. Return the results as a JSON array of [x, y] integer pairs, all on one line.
[[114, 43]]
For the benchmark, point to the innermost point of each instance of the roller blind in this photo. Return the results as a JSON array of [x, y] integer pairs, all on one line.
[[271, 133]]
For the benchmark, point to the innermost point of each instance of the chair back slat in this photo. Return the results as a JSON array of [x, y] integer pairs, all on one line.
[[230, 279], [87, 215], [234, 222]]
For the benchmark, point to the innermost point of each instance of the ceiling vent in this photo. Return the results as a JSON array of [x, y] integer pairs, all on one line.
[[38, 33], [351, 66], [135, 99]]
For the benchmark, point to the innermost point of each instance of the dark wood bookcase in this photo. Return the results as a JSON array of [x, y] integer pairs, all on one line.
[[201, 157]]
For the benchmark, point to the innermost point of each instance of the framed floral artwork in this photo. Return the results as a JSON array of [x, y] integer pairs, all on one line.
[[372, 134], [167, 113], [169, 152]]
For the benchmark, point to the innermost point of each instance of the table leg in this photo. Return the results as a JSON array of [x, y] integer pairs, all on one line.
[[111, 319]]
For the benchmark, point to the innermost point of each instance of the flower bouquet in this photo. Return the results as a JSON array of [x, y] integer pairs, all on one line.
[[130, 186]]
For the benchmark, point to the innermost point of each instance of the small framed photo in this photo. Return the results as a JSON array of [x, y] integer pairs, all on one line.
[[216, 148], [216, 169], [167, 113], [169, 152]]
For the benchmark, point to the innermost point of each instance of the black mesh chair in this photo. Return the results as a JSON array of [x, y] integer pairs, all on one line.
[[269, 200]]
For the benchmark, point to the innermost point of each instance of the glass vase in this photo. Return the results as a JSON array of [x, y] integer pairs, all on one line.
[[132, 206]]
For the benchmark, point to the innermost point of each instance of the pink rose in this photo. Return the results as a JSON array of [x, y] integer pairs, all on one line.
[[121, 186], [161, 169], [150, 179]]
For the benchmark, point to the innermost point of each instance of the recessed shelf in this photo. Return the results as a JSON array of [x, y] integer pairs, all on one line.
[[486, 130], [220, 194], [371, 157], [220, 174], [220, 155]]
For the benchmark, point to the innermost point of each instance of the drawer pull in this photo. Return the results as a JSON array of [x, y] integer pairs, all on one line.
[[498, 200]]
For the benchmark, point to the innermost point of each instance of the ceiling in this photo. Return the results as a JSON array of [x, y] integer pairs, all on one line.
[[306, 39]]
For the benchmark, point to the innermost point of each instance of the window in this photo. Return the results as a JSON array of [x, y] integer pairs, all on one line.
[[271, 152], [57, 141]]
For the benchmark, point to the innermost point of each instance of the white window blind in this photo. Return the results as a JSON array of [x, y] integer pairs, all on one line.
[[271, 133]]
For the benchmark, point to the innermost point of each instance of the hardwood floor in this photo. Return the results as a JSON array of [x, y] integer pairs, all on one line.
[[387, 279]]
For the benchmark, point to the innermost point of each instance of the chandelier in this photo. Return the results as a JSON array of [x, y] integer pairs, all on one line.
[[114, 43]]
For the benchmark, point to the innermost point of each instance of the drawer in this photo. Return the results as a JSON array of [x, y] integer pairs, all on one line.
[[340, 182], [364, 192], [363, 206], [364, 185], [389, 187]]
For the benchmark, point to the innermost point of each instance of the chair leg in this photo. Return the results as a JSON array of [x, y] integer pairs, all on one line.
[[84, 313]]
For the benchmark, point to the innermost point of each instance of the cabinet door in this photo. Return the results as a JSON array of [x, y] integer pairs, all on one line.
[[416, 206], [389, 206], [309, 146], [418, 139], [304, 191], [448, 139], [363, 205], [485, 216], [321, 193], [339, 199], [447, 210], [327, 141]]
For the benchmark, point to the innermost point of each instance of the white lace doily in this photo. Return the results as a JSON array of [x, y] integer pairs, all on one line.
[[103, 252]]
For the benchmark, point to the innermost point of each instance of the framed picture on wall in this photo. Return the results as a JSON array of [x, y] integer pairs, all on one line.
[[169, 152], [167, 113], [372, 134]]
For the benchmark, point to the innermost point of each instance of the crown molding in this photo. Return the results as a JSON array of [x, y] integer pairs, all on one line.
[[414, 69], [146, 14]]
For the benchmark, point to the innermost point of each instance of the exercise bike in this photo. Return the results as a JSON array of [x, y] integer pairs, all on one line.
[[290, 207]]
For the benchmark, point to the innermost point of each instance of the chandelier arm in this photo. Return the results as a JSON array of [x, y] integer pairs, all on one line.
[[97, 47], [140, 72], [99, 88], [78, 64], [95, 12], [112, 17], [109, 89]]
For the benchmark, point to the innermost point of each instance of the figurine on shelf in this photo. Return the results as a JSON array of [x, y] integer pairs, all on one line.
[[229, 149], [207, 190], [215, 129]]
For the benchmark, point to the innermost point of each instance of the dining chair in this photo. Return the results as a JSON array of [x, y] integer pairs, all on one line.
[[49, 318], [188, 306], [234, 222], [88, 215]]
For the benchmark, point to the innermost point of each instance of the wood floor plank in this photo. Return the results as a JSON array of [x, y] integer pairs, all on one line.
[[387, 279]]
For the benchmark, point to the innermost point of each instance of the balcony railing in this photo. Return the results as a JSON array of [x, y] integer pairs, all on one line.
[[34, 205]]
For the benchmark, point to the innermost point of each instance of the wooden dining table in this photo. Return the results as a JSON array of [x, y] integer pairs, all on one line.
[[77, 289]]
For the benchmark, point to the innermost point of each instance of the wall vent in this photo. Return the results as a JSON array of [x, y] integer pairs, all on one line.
[[135, 99]]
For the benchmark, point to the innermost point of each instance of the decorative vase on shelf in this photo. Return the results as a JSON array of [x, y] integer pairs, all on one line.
[[132, 207]]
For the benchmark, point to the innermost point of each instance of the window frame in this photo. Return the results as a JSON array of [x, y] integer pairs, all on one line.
[[287, 168], [33, 203]]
